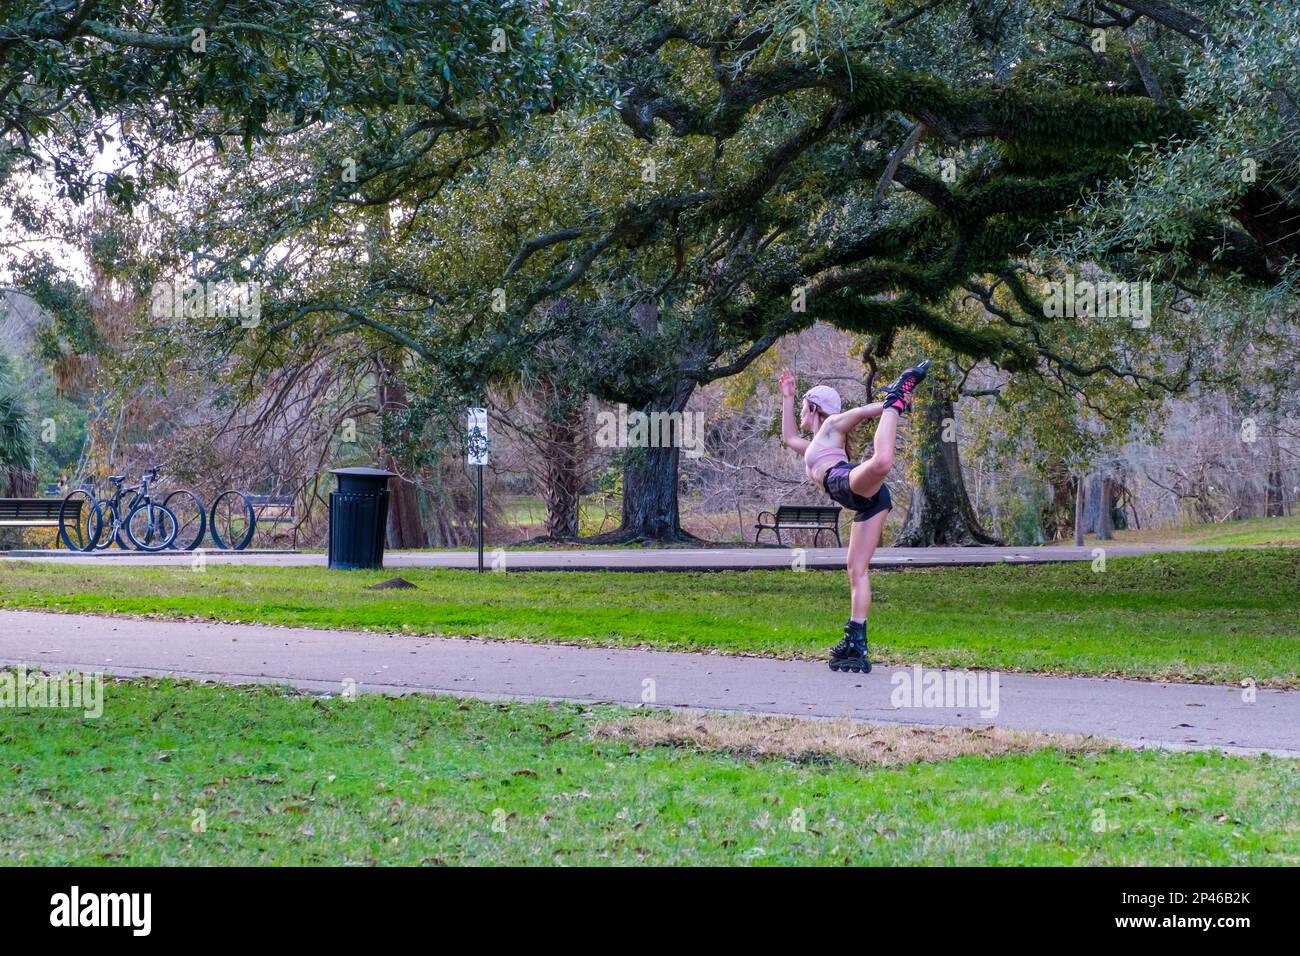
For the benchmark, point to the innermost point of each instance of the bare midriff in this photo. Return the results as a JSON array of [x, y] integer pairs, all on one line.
[[826, 449]]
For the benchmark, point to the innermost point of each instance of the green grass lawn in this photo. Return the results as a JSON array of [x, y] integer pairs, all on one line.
[[184, 774], [1210, 616], [1251, 532], [1256, 531]]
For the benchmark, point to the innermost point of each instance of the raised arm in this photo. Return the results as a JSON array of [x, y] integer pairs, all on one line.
[[846, 421], [789, 429]]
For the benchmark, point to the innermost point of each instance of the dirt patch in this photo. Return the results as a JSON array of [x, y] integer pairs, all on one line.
[[392, 584], [818, 741]]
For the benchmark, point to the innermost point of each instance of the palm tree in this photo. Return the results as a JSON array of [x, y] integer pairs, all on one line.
[[17, 460]]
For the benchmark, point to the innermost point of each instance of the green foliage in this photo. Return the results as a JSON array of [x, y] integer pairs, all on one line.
[[254, 65], [609, 481], [70, 327], [1246, 139], [1022, 519], [726, 224], [16, 440], [56, 424]]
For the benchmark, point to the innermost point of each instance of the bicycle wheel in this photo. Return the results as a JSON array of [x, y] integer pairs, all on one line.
[[110, 529], [151, 527], [115, 524], [80, 522], [232, 521], [191, 519]]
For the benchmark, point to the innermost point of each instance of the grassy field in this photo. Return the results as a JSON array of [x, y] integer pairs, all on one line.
[[184, 774], [1216, 616], [1252, 532]]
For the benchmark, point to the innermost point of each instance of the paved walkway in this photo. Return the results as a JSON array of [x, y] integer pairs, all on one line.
[[1150, 714], [633, 559]]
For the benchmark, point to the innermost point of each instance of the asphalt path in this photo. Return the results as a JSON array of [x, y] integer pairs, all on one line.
[[630, 559], [1167, 715]]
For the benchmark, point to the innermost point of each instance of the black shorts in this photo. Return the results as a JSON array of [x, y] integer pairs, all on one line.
[[837, 486]]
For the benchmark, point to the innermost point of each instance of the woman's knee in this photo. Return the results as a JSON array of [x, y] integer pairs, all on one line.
[[881, 462]]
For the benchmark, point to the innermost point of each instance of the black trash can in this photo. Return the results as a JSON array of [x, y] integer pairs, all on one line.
[[359, 518]]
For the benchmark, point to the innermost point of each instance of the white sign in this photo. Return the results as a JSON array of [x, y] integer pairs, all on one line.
[[477, 436]]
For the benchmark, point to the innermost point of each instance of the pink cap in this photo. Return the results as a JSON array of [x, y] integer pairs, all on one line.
[[825, 398]]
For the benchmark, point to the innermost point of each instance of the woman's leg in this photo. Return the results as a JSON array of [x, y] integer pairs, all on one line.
[[852, 653], [866, 478], [864, 536]]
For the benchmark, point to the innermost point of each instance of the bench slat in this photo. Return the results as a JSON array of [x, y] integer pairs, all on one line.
[[273, 509], [32, 512], [820, 515]]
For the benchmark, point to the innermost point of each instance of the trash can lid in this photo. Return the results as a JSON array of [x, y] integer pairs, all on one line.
[[364, 472]]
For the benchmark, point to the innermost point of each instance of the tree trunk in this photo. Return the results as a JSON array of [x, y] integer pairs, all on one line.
[[1097, 503], [650, 510], [556, 433], [1273, 495], [1091, 502], [650, 475], [562, 451], [17, 482], [1105, 520], [405, 526], [1270, 219], [940, 512], [1057, 518], [1078, 511]]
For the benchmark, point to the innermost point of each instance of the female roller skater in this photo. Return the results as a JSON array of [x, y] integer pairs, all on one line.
[[860, 488]]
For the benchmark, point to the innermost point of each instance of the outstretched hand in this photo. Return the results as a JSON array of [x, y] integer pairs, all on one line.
[[786, 382]]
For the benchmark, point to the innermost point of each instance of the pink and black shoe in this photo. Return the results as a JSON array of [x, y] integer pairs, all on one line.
[[898, 396]]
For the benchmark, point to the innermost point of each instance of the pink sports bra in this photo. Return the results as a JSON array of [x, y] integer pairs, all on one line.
[[821, 453]]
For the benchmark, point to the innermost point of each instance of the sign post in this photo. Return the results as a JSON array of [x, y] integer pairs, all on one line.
[[477, 445]]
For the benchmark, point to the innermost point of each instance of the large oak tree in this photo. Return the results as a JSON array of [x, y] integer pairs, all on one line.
[[736, 172]]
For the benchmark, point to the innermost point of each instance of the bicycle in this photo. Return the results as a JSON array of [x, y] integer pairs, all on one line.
[[148, 526]]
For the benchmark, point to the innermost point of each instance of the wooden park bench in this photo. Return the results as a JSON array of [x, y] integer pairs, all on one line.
[[36, 513], [272, 509], [816, 518]]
